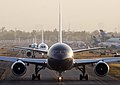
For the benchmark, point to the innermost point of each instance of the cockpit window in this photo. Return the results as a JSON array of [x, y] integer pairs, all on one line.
[[42, 47], [60, 51]]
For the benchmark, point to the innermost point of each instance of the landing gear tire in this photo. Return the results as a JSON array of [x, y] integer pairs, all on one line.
[[33, 56], [83, 77], [33, 77], [86, 76], [38, 76]]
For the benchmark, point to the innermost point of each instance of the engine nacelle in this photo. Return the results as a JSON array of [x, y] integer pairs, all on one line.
[[101, 69], [18, 68], [28, 53]]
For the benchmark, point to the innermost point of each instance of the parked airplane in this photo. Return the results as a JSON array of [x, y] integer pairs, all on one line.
[[60, 58], [95, 41], [106, 41], [104, 36], [110, 43]]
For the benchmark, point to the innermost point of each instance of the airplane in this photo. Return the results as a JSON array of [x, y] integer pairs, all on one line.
[[95, 41], [104, 35], [34, 44], [42, 46], [60, 57], [27, 51]]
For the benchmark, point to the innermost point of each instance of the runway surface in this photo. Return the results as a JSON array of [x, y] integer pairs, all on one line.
[[49, 77]]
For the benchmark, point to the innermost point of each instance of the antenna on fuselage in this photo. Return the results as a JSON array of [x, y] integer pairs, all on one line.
[[60, 23]]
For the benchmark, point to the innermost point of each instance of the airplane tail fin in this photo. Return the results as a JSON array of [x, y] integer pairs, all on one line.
[[35, 39], [60, 23], [42, 36], [103, 33]]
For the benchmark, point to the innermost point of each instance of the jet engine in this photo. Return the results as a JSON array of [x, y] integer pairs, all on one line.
[[18, 68], [101, 69], [28, 53]]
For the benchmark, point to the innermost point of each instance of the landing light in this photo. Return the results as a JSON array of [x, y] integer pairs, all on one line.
[[60, 78], [42, 54]]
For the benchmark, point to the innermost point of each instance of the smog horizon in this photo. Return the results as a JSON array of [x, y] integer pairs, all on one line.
[[79, 15]]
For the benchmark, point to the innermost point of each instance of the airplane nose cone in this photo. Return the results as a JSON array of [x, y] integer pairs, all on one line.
[[60, 51], [60, 56]]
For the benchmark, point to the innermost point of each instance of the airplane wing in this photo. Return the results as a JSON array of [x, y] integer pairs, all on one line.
[[41, 62], [88, 49], [79, 62], [33, 49]]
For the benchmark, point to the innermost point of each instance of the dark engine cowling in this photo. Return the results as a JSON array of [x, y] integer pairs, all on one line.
[[18, 68], [28, 53], [101, 69]]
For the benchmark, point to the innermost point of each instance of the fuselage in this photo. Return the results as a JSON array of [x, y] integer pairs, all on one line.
[[60, 57], [34, 45], [43, 46]]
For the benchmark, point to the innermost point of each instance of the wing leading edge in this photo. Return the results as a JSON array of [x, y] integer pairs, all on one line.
[[89, 49], [41, 62], [33, 49], [79, 62]]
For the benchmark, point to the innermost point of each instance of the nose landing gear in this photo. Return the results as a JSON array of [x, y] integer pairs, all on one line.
[[60, 78]]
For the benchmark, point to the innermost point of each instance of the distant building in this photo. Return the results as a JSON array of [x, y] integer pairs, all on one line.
[[114, 40]]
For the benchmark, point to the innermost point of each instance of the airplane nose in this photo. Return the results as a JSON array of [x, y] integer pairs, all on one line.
[[60, 56], [60, 65]]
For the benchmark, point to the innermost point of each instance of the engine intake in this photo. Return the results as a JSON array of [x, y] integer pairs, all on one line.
[[101, 69], [18, 68], [28, 53]]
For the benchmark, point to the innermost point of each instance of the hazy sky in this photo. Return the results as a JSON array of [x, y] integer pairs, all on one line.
[[86, 15]]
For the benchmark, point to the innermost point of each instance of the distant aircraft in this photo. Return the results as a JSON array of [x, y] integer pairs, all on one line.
[[42, 46], [34, 44], [104, 35], [95, 41], [60, 58]]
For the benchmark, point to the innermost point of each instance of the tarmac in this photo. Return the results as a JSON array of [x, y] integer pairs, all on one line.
[[49, 77]]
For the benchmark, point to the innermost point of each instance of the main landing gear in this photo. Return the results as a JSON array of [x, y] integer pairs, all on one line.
[[33, 56], [60, 78], [83, 75], [36, 75]]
